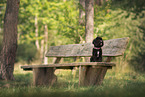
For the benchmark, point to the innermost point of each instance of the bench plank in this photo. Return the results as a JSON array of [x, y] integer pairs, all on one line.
[[113, 47], [68, 65]]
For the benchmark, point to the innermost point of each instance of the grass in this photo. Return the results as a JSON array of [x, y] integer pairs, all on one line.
[[128, 84]]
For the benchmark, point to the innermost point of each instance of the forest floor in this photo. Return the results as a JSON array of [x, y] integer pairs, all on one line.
[[129, 84]]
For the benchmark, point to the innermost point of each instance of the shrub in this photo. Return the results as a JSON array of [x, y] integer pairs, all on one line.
[[26, 52]]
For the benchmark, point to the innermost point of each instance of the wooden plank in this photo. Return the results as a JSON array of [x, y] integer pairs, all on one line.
[[113, 47], [68, 65]]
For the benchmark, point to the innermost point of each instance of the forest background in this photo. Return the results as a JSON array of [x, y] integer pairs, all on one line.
[[44, 23]]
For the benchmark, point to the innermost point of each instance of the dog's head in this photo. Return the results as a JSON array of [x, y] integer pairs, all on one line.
[[98, 42]]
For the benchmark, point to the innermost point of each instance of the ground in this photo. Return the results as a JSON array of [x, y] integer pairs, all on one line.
[[115, 84]]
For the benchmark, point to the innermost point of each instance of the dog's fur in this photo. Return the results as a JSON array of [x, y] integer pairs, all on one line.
[[97, 50]]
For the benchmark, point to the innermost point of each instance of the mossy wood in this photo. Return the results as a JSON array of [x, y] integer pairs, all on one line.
[[90, 73]]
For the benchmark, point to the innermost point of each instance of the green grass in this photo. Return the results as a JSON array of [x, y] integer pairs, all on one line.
[[128, 84]]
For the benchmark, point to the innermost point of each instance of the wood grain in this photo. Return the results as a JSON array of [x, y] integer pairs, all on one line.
[[113, 47], [43, 76], [69, 65]]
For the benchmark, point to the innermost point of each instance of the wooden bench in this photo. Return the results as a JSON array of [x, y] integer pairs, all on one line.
[[90, 73]]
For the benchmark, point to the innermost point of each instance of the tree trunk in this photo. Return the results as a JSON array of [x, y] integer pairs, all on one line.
[[8, 53], [42, 50], [82, 12], [89, 31], [89, 75], [46, 45], [36, 33], [89, 24]]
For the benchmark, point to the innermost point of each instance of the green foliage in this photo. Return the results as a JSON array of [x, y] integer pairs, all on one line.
[[135, 6], [113, 19], [26, 52], [137, 59], [69, 25], [120, 21]]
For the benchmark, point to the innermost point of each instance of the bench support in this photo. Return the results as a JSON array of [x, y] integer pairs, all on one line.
[[44, 76], [90, 76]]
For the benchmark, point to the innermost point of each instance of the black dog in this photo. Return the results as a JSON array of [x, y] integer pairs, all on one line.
[[97, 50]]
